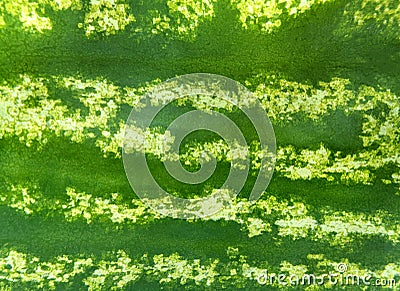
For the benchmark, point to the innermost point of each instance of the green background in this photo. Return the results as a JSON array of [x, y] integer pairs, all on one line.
[[355, 42]]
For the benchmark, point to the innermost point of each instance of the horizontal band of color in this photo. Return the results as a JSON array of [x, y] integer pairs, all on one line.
[[291, 217], [102, 100], [118, 270]]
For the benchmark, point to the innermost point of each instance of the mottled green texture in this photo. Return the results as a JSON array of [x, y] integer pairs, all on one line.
[[327, 72]]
